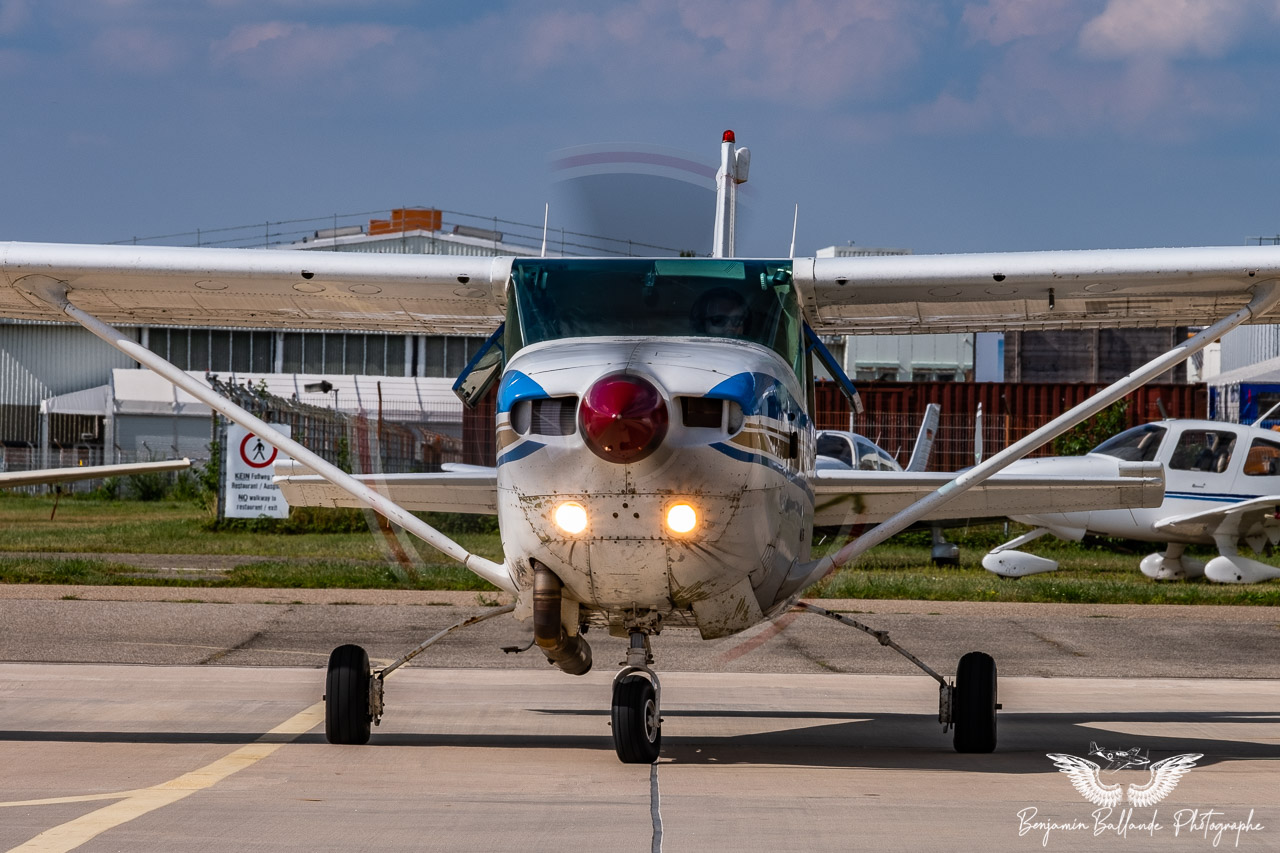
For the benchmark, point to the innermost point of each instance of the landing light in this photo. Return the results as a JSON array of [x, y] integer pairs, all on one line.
[[682, 518], [571, 517]]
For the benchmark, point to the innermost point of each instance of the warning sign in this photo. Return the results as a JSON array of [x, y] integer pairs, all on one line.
[[249, 490]]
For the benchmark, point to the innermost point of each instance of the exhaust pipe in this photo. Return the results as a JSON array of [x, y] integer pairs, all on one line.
[[570, 654]]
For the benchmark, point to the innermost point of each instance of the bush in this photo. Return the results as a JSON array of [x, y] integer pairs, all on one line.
[[107, 490], [150, 486]]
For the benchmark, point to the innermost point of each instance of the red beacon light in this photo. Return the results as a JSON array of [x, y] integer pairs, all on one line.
[[623, 418]]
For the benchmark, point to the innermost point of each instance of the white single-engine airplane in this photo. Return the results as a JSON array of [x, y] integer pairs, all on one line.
[[655, 416], [1222, 485]]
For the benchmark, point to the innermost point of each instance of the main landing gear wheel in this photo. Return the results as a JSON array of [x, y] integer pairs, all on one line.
[[637, 728], [346, 698], [975, 706]]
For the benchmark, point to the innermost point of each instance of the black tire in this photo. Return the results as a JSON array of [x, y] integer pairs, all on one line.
[[346, 697], [975, 703], [946, 561], [637, 728]]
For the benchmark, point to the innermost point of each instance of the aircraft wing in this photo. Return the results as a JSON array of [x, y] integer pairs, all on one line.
[[472, 490], [1249, 518], [11, 479], [1126, 288], [438, 294], [869, 497], [447, 294]]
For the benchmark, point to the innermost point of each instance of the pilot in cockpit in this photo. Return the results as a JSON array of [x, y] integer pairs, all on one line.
[[721, 313]]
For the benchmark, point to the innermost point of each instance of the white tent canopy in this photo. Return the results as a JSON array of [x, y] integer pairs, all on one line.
[[146, 415]]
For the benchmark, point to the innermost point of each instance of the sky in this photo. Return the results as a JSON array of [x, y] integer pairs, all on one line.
[[989, 125]]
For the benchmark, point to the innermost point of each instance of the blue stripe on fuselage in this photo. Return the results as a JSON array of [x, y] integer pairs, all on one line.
[[759, 394], [518, 386], [1217, 497], [520, 451], [759, 459]]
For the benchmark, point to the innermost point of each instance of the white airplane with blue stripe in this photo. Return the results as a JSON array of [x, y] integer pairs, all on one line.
[[1222, 487], [656, 444]]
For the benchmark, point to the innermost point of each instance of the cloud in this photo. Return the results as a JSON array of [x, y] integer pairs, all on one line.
[[1168, 29], [246, 38], [139, 50], [999, 22], [765, 50], [284, 52], [1036, 93]]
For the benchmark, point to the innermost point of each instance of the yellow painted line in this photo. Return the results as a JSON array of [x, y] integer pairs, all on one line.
[[133, 804]]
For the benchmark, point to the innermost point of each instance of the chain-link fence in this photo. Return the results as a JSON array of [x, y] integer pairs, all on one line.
[[955, 445], [401, 436], [398, 436]]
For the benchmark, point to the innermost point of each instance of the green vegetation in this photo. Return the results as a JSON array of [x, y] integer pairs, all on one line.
[[83, 525], [1096, 571], [350, 549], [256, 575], [1085, 436]]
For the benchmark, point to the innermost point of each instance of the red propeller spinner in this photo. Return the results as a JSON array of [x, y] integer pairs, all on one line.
[[623, 418]]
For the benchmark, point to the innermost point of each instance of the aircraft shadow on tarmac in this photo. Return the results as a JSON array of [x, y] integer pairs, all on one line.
[[886, 741]]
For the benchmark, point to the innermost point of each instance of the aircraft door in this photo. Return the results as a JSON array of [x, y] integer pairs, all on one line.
[[1202, 461], [482, 371]]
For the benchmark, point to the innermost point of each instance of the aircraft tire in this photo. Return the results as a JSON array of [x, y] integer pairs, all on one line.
[[346, 699], [975, 703], [637, 726]]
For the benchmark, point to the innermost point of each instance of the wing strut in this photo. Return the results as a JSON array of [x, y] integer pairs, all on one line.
[[55, 294], [1266, 296]]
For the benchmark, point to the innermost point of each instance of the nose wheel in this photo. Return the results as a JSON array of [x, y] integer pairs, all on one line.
[[637, 726], [636, 715]]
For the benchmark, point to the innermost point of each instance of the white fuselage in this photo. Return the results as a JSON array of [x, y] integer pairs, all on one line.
[[746, 475], [1196, 479]]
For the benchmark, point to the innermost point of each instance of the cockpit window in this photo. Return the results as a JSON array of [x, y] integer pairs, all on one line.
[[1138, 444], [836, 447], [1263, 459], [1203, 450], [683, 297]]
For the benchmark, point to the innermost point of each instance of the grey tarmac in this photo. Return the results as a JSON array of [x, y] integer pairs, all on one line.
[[137, 719]]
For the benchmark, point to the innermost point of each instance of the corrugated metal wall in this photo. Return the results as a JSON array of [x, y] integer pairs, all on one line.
[[1010, 411], [39, 360], [1249, 345], [893, 411], [1087, 355]]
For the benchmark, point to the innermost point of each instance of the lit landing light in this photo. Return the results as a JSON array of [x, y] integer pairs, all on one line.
[[681, 518], [571, 517]]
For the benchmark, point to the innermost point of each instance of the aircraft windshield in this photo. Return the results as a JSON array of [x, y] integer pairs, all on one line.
[[706, 297], [1138, 444]]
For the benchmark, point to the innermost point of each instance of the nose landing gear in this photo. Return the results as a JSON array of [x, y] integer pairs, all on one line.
[[637, 701]]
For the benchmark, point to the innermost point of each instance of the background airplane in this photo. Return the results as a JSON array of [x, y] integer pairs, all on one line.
[[844, 450], [1222, 487]]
